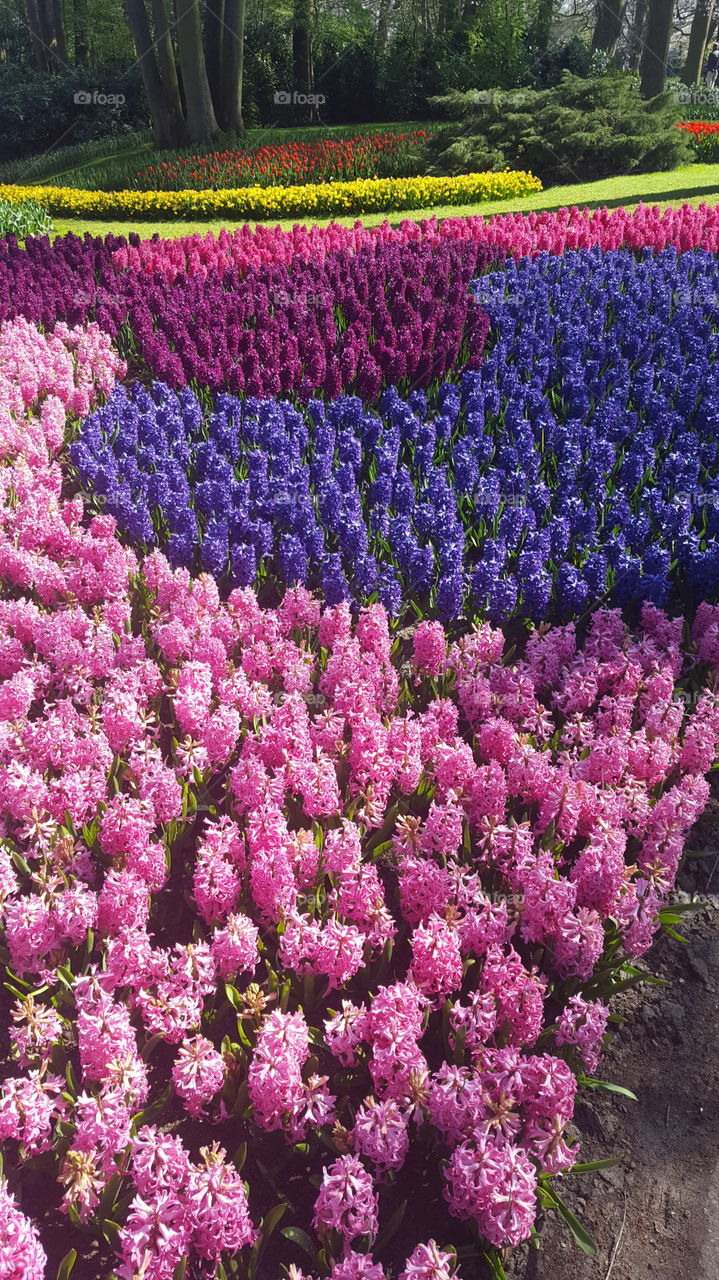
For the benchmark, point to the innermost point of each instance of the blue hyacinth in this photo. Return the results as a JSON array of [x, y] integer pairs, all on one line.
[[578, 464]]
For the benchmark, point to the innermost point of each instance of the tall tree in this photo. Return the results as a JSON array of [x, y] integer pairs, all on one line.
[[233, 60], [302, 47], [81, 32], [167, 130], [608, 26], [543, 23], [214, 49], [47, 33], [162, 30], [636, 34], [201, 119], [382, 24], [656, 47], [698, 37], [36, 37], [56, 23]]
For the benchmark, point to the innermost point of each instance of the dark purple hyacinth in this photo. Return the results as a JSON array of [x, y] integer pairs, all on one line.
[[579, 459], [390, 314]]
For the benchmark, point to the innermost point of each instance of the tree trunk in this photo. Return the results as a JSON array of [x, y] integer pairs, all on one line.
[[656, 47], [36, 35], [636, 35], [162, 24], [608, 26], [80, 33], [302, 50], [201, 119], [543, 25], [233, 66], [58, 43], [698, 37], [382, 24], [163, 123], [215, 36]]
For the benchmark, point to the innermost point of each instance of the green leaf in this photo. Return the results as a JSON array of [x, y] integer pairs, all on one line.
[[233, 996], [269, 1222], [392, 1227], [580, 1233], [67, 1264], [678, 937], [181, 1269], [679, 909], [301, 1239], [495, 1263], [590, 1165], [273, 1218], [110, 1231], [608, 1087]]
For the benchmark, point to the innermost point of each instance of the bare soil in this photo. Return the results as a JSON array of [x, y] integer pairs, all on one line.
[[654, 1216]]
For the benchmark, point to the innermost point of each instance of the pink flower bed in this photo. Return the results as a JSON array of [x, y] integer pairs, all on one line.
[[282, 891], [518, 234]]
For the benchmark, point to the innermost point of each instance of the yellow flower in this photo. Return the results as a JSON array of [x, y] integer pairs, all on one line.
[[361, 196]]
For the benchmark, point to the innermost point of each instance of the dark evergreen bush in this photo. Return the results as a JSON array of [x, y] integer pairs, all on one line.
[[574, 132]]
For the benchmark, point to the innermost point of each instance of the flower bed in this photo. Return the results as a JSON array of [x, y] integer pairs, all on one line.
[[502, 235], [517, 494], [373, 155], [307, 916], [365, 195], [704, 137]]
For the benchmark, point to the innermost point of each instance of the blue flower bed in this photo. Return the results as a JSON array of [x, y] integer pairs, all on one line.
[[578, 463]]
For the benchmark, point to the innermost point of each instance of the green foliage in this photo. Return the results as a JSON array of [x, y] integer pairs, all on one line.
[[27, 218], [579, 130], [498, 42], [696, 101], [38, 110], [575, 55]]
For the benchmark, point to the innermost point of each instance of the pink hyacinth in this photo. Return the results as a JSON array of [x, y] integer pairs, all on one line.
[[380, 1134], [429, 648], [234, 947], [198, 1073], [217, 1203], [496, 1186], [357, 1266], [346, 1201], [22, 1257], [436, 959], [275, 1081], [583, 1023], [429, 1262]]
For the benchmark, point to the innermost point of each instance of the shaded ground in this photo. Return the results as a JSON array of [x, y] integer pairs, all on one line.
[[655, 1216]]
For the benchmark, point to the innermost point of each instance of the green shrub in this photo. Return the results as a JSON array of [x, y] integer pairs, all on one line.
[[27, 218], [575, 132], [38, 110]]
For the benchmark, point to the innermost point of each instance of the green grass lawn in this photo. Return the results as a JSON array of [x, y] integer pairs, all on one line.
[[690, 185]]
